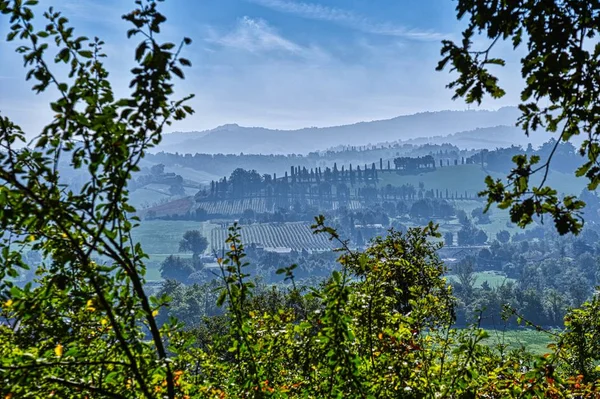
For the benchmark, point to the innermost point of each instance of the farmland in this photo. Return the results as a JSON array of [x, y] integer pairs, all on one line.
[[160, 238], [236, 206], [297, 236], [275, 214]]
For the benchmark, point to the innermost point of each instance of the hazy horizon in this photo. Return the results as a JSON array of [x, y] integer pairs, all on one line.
[[234, 123], [278, 64]]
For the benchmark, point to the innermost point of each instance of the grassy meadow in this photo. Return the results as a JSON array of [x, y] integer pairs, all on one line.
[[160, 238], [493, 278], [459, 178], [533, 341]]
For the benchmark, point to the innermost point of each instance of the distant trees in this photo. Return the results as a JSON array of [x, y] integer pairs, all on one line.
[[445, 209], [244, 182], [249, 214], [429, 207], [193, 241], [180, 269], [465, 275], [325, 188], [470, 235], [448, 239], [190, 304], [462, 217], [410, 164], [299, 184], [578, 287], [592, 209], [176, 268], [421, 209], [325, 183], [158, 169], [481, 216]]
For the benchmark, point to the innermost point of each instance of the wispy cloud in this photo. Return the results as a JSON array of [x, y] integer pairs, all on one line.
[[257, 36], [254, 35], [347, 18]]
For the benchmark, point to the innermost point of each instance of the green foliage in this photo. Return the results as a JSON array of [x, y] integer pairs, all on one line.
[[481, 216], [560, 72], [379, 327], [193, 241], [466, 280], [87, 325], [582, 340], [176, 268], [471, 235]]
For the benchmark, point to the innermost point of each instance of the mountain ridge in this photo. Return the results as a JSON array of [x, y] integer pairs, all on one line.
[[233, 138]]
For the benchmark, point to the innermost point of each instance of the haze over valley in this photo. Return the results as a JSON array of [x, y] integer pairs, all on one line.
[[469, 129]]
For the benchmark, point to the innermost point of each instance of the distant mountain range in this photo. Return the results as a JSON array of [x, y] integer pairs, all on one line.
[[466, 129]]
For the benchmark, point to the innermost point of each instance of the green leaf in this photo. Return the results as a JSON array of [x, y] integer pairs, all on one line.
[[86, 54], [140, 51]]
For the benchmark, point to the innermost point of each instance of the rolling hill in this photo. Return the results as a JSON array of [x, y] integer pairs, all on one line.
[[235, 139]]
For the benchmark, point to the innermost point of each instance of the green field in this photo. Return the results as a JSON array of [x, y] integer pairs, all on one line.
[[192, 174], [160, 238], [493, 278], [471, 178], [152, 194], [458, 178], [533, 341], [500, 219]]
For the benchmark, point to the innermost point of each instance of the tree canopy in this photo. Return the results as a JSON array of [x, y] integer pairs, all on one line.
[[87, 325], [176, 268], [560, 94], [193, 241]]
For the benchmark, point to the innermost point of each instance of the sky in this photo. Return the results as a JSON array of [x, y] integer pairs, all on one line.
[[281, 64]]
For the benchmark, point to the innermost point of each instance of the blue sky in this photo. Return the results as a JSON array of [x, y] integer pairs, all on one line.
[[277, 63]]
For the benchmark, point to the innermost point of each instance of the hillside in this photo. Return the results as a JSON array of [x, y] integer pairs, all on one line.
[[486, 138], [234, 139], [452, 181]]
